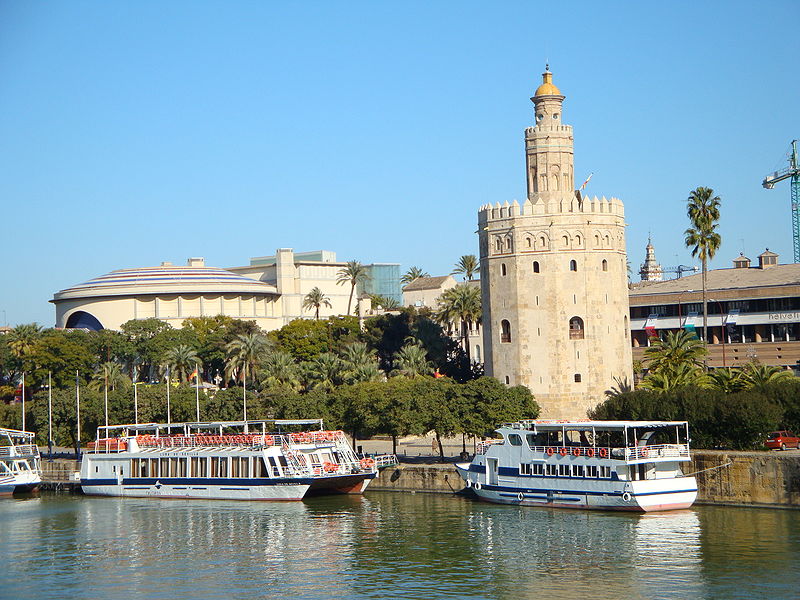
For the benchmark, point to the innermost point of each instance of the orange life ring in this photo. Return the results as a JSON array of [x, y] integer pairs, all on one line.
[[367, 463], [590, 452], [268, 440], [576, 452], [603, 452], [550, 450], [562, 451]]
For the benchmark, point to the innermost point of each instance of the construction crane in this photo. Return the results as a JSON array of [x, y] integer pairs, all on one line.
[[791, 172], [681, 269]]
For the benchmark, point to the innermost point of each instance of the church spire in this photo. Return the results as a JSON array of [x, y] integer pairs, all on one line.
[[650, 269]]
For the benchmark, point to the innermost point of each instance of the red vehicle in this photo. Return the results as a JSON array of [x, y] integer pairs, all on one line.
[[782, 440]]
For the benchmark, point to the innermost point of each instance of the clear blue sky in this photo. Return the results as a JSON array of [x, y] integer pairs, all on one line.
[[137, 132]]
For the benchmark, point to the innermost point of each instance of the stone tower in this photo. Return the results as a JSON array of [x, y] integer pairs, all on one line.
[[554, 278], [650, 269]]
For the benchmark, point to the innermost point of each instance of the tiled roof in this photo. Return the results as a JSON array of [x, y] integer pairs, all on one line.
[[722, 279], [426, 283]]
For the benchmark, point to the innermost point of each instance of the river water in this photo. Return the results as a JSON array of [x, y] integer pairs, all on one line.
[[388, 545]]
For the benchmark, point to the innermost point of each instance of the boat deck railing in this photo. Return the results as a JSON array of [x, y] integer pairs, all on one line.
[[21, 450], [633, 453], [251, 440]]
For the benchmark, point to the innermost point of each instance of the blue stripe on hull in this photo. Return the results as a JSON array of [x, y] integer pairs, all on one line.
[[175, 481]]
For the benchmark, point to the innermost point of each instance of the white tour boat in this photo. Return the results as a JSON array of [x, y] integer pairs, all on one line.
[[20, 463], [614, 465], [238, 460]]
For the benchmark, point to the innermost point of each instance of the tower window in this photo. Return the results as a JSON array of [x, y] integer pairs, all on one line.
[[536, 266], [530, 243], [573, 265], [499, 245], [577, 377], [503, 269], [605, 265], [508, 380], [576, 328], [505, 331]]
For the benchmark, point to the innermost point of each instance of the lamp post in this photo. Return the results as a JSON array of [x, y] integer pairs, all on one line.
[[722, 327]]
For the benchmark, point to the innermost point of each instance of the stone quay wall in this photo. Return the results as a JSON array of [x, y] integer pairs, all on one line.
[[768, 479]]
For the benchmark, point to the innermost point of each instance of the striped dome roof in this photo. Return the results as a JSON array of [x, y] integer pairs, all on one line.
[[166, 280]]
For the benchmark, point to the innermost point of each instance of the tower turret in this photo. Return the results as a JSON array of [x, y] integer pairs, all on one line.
[[548, 144], [650, 269]]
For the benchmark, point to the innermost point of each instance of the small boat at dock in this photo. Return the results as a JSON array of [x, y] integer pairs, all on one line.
[[20, 462], [609, 465], [232, 460]]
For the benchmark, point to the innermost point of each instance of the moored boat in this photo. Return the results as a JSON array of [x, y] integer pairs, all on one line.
[[612, 465], [20, 462], [234, 460]]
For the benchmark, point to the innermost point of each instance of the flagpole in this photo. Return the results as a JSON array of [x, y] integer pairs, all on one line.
[[50, 415], [244, 397], [23, 401], [135, 403], [78, 413], [197, 389], [169, 416], [105, 401]]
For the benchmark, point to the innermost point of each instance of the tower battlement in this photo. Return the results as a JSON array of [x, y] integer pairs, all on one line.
[[552, 206]]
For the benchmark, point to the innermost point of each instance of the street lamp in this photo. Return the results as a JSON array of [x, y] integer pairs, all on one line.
[[722, 327]]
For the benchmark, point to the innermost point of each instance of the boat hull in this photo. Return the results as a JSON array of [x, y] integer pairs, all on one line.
[[636, 496], [341, 484], [218, 489]]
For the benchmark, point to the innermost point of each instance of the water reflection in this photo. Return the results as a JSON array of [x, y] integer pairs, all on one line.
[[388, 545]]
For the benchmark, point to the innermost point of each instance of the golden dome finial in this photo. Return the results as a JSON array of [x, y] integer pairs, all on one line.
[[547, 88]]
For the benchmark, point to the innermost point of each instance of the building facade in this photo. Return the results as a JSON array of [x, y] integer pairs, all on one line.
[[270, 290], [554, 278], [753, 312]]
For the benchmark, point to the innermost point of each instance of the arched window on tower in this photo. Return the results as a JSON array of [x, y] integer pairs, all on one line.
[[565, 241], [498, 245], [508, 244], [576, 328], [503, 269], [573, 265], [605, 265], [536, 266], [505, 331]]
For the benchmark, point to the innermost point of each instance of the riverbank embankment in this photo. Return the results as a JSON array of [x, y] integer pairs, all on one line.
[[766, 479]]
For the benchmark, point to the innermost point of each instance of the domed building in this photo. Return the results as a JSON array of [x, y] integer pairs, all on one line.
[[169, 293]]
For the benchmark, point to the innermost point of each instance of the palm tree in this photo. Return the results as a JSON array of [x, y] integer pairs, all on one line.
[[467, 265], [279, 369], [353, 273], [359, 363], [384, 302], [244, 351], [181, 360], [727, 380], [314, 299], [702, 208], [22, 338], [411, 361], [413, 274], [676, 349], [324, 372], [461, 304], [622, 386], [111, 373], [755, 374], [683, 375]]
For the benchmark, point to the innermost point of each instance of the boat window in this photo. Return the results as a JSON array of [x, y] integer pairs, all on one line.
[[263, 471], [173, 467], [203, 466], [223, 466], [536, 439], [235, 467], [96, 469], [563, 470], [282, 460], [154, 462], [537, 469], [578, 471], [551, 470], [194, 463], [605, 472], [135, 466], [591, 471], [164, 472], [515, 440], [214, 466], [524, 469]]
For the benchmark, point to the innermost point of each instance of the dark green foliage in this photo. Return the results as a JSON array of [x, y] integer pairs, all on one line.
[[737, 421]]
